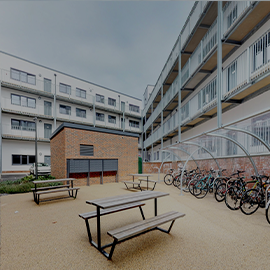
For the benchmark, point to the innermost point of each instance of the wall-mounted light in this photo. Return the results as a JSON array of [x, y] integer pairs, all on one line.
[[39, 97]]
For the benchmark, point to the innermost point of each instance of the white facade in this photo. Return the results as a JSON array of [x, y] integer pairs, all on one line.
[[192, 69], [29, 90]]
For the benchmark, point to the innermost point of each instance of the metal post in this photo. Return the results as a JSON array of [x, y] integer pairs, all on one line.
[[179, 91], [219, 64], [94, 110], [162, 129], [36, 154], [1, 159], [54, 101]]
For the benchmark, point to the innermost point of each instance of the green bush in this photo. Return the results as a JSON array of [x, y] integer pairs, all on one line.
[[24, 184]]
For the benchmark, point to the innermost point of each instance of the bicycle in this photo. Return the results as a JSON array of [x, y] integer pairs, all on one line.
[[253, 198], [173, 177]]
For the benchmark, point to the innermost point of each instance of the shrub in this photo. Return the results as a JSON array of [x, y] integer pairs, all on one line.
[[24, 184]]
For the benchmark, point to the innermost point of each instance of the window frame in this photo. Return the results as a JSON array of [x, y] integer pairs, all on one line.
[[21, 158], [100, 116], [100, 98], [61, 106], [110, 118], [80, 111], [112, 100], [134, 108], [21, 98], [66, 87], [134, 124], [79, 92], [29, 78]]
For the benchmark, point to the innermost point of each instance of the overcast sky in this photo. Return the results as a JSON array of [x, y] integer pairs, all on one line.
[[122, 45]]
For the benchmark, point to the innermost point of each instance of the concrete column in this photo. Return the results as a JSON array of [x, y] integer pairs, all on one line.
[[54, 103], [179, 91], [219, 64], [1, 159]]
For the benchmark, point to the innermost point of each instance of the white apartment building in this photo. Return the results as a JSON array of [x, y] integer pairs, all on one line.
[[217, 73], [37, 98]]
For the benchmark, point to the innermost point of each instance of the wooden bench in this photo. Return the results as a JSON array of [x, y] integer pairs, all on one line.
[[129, 231], [70, 192], [107, 211], [151, 181], [46, 188], [136, 185], [37, 191]]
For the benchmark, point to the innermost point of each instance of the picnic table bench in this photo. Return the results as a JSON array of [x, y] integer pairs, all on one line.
[[138, 185], [37, 191], [122, 202]]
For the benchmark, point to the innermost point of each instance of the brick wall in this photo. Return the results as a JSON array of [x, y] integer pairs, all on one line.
[[66, 145], [230, 164]]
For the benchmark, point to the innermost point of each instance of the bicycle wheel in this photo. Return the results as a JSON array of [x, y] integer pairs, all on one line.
[[232, 197], [176, 180], [267, 213], [185, 183], [168, 179], [200, 189], [250, 201], [220, 192], [191, 184]]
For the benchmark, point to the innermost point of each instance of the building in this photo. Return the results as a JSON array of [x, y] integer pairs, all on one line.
[[34, 97], [93, 155], [217, 73]]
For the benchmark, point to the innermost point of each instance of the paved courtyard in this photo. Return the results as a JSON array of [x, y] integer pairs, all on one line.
[[210, 236]]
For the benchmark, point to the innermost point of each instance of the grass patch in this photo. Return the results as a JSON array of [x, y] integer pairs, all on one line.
[[25, 184]]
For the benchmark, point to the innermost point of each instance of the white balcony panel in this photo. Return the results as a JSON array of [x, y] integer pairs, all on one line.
[[232, 12], [195, 59], [185, 73], [195, 15], [209, 41], [235, 75]]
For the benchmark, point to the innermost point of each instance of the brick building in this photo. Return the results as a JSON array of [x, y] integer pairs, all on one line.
[[74, 147]]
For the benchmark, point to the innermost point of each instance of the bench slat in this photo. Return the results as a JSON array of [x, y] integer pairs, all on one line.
[[50, 187], [56, 190], [144, 225], [131, 182], [153, 181], [111, 210]]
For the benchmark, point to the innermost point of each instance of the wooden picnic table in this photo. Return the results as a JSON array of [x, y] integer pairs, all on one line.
[[141, 175], [117, 201], [37, 191]]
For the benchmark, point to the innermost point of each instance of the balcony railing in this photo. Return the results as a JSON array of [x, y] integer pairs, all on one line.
[[235, 75], [232, 12], [192, 21]]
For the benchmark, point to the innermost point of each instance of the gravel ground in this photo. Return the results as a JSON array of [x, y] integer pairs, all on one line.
[[52, 236]]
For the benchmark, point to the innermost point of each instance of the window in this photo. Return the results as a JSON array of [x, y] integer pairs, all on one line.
[[80, 93], [99, 98], [65, 109], [47, 108], [22, 76], [231, 77], [134, 124], [112, 102], [64, 88], [157, 155], [47, 85], [123, 106], [23, 159], [23, 101], [232, 17], [134, 108], [80, 113], [86, 150], [122, 123], [23, 125], [100, 117], [111, 119], [47, 131]]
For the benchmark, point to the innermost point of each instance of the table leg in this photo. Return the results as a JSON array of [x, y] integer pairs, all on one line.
[[98, 229], [147, 181], [71, 183], [155, 206]]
